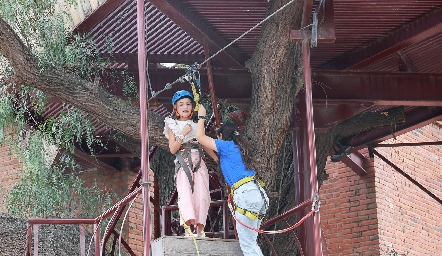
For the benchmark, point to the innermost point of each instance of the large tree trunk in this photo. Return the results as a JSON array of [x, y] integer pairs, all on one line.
[[274, 91]]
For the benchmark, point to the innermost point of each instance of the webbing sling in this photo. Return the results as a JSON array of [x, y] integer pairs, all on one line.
[[186, 153]]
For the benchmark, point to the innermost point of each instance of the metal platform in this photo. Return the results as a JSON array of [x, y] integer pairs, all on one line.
[[183, 246]]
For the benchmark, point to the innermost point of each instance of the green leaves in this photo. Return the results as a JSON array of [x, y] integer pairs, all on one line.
[[48, 188]]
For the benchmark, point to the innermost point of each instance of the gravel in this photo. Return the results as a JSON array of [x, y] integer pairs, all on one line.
[[52, 239]]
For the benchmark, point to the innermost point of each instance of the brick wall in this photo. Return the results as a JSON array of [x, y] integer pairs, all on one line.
[[135, 219], [119, 182], [409, 219], [10, 173], [383, 212], [348, 211]]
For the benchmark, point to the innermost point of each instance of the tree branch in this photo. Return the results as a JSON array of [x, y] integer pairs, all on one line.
[[117, 113], [352, 127]]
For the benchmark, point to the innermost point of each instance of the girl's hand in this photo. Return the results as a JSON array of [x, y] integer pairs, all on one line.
[[202, 111], [187, 128]]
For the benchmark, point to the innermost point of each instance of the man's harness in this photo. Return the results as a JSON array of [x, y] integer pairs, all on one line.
[[184, 152]]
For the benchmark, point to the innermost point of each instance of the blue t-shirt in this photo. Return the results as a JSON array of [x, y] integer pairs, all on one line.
[[231, 163]]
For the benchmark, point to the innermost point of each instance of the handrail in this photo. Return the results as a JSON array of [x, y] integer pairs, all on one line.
[[41, 221], [287, 213]]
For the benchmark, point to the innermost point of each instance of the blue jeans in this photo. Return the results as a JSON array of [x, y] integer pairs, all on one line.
[[252, 197]]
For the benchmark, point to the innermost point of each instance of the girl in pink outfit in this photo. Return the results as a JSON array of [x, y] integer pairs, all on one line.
[[192, 177]]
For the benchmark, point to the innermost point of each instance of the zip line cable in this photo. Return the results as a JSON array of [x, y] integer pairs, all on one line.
[[194, 67], [248, 31]]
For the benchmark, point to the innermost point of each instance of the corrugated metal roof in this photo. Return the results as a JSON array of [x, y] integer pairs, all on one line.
[[232, 18], [359, 23], [371, 36], [163, 36], [424, 57]]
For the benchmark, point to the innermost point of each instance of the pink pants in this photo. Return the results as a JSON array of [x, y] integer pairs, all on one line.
[[193, 206]]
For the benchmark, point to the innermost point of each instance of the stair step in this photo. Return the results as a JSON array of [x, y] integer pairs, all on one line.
[[183, 246]]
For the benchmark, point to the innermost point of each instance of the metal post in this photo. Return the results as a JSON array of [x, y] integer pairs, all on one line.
[[313, 237], [97, 239], [29, 239], [82, 241], [211, 85], [36, 226], [143, 125]]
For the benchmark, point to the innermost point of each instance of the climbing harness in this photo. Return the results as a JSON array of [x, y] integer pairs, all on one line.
[[251, 215], [184, 152], [243, 181]]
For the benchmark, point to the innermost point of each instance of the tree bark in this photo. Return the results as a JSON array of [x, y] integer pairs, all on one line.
[[273, 91]]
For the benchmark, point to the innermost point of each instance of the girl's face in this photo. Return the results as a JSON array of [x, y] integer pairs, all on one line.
[[184, 108]]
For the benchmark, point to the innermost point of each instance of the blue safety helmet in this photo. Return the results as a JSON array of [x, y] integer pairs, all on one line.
[[181, 94]]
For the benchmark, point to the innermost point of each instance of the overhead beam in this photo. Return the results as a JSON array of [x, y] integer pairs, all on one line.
[[355, 89], [378, 88], [356, 162], [196, 28], [93, 161], [307, 12], [156, 58], [410, 33]]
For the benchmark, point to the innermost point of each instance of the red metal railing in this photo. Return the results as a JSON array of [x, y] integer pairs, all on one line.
[[99, 248], [33, 225]]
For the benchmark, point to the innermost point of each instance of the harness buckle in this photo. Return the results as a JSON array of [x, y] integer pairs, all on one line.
[[316, 204]]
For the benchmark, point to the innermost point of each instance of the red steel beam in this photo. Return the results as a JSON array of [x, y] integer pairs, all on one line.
[[356, 162], [211, 86], [390, 89], [93, 160], [307, 13], [194, 26], [408, 34], [60, 221], [313, 235], [430, 143], [155, 58], [329, 87]]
